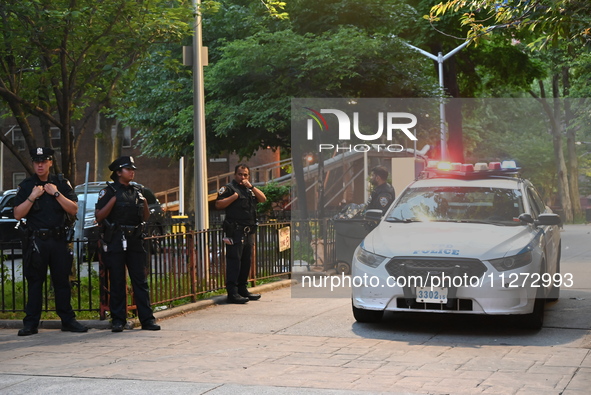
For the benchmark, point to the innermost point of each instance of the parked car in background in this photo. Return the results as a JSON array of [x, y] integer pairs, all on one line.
[[8, 231], [87, 230]]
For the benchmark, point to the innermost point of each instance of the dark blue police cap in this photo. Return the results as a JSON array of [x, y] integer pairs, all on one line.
[[41, 153], [122, 162]]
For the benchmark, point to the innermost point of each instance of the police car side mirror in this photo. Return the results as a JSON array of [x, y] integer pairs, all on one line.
[[373, 215], [527, 218], [548, 219]]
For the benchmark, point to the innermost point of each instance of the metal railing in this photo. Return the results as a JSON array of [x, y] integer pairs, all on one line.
[[182, 266], [259, 175]]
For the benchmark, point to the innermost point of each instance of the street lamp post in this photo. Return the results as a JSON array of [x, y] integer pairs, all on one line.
[[200, 169], [440, 58]]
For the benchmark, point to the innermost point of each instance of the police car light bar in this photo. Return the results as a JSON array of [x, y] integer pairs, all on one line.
[[478, 170]]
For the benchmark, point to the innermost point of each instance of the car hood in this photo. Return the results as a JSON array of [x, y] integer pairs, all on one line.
[[448, 239]]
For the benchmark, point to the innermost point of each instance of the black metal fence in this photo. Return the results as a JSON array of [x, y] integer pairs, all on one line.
[[182, 266]]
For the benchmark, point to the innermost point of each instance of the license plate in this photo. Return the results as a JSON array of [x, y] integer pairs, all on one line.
[[431, 295]]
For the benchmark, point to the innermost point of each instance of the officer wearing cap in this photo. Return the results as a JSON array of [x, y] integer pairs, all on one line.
[[45, 200], [239, 199], [383, 194], [121, 210]]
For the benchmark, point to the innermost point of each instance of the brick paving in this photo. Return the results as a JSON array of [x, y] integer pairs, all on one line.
[[286, 345]]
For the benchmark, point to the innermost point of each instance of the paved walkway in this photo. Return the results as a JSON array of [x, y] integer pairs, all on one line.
[[285, 345]]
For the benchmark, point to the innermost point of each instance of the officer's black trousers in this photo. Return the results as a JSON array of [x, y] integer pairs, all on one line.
[[238, 259], [115, 263], [56, 255]]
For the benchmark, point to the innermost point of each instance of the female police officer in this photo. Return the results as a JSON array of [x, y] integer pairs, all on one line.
[[121, 210]]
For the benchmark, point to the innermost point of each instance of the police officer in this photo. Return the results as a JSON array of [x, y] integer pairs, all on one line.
[[121, 210], [239, 198], [382, 195], [46, 200]]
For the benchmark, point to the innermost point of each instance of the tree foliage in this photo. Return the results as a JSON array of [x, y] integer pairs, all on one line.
[[252, 85], [61, 61], [550, 20], [258, 63], [558, 34]]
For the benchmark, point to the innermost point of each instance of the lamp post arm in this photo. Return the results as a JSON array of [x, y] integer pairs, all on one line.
[[455, 50], [427, 54]]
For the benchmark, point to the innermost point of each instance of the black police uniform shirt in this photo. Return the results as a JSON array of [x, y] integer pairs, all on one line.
[[381, 197], [128, 211], [242, 210], [46, 212]]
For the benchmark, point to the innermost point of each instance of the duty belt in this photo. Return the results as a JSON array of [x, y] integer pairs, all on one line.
[[247, 229], [44, 234], [131, 230]]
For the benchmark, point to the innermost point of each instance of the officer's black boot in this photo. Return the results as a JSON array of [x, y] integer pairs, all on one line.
[[234, 296], [243, 291]]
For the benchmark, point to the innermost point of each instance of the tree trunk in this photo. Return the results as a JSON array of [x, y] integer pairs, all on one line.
[[104, 151], [554, 113], [301, 205], [573, 160]]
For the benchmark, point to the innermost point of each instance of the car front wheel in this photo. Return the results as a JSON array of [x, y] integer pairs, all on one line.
[[367, 316], [555, 291]]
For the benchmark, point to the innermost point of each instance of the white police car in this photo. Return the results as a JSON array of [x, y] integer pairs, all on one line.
[[464, 239]]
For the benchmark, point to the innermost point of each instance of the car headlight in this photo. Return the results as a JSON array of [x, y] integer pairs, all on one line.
[[512, 262], [368, 258]]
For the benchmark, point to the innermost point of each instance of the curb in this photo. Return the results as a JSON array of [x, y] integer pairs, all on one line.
[[160, 315]]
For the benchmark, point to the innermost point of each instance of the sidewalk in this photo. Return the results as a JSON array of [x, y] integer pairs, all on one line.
[[285, 345]]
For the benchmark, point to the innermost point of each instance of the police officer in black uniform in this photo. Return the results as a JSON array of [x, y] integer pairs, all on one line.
[[121, 210], [239, 198], [382, 195], [45, 200]]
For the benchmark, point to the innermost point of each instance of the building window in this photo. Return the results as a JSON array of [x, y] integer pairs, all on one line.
[[56, 138], [127, 137], [18, 140], [17, 178]]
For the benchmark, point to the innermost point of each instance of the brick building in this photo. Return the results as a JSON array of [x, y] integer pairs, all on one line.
[[159, 174]]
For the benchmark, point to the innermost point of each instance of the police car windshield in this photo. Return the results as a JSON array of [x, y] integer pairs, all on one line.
[[496, 206]]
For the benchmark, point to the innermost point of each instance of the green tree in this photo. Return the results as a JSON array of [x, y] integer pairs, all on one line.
[[257, 64], [61, 61], [555, 30], [276, 195], [550, 20], [492, 68]]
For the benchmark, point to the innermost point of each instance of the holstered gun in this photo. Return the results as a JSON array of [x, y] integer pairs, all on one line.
[[229, 228], [107, 231]]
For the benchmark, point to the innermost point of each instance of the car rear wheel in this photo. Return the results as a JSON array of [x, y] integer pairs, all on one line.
[[362, 315]]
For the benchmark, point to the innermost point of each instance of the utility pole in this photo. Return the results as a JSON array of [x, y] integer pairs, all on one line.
[[201, 203]]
